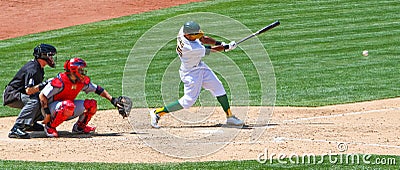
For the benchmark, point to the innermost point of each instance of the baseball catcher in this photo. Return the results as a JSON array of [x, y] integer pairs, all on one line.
[[58, 99]]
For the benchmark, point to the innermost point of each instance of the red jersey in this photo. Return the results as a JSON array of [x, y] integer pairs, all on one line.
[[69, 89]]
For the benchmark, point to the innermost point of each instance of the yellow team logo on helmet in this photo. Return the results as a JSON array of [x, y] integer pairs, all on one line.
[[192, 29]]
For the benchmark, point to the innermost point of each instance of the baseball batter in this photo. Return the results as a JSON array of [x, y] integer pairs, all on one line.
[[195, 74]]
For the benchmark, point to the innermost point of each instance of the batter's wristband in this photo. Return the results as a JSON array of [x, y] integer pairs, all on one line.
[[47, 111], [218, 43]]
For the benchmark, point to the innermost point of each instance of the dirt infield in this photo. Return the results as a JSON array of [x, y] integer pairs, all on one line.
[[367, 127], [21, 17]]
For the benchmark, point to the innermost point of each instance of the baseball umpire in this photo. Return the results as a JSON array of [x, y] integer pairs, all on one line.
[[23, 91], [195, 74], [58, 99]]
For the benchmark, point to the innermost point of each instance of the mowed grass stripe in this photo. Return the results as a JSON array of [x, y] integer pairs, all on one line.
[[331, 44], [318, 45]]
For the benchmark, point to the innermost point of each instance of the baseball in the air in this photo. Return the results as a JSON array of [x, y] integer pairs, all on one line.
[[365, 53]]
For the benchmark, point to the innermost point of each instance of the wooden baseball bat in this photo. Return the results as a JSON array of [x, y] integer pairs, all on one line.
[[268, 27]]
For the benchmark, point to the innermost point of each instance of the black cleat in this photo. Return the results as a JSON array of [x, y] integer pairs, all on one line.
[[36, 127], [19, 133]]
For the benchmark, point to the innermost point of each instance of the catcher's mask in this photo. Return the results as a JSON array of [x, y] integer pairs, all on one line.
[[46, 52], [192, 29], [76, 66]]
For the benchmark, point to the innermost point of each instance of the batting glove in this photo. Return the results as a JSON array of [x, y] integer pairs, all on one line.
[[228, 47], [232, 45]]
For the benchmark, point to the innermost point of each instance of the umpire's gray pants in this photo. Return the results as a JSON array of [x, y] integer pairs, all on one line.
[[30, 109]]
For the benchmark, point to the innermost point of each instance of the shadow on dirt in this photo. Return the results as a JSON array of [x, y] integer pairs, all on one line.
[[249, 126], [67, 134]]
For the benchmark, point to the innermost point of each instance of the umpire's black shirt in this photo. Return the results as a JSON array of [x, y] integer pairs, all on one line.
[[29, 75]]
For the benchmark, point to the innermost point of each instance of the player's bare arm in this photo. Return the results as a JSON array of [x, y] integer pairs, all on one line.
[[32, 90], [209, 40], [217, 46], [35, 89], [106, 95], [44, 102]]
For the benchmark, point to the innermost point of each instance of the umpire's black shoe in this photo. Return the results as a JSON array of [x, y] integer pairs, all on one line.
[[18, 132], [36, 127]]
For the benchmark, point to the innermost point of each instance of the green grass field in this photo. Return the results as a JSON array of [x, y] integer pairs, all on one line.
[[316, 54], [327, 163]]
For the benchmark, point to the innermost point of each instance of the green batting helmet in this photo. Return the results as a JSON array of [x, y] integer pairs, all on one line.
[[191, 27]]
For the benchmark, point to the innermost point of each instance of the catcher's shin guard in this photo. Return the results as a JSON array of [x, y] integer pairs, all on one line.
[[65, 111], [90, 109]]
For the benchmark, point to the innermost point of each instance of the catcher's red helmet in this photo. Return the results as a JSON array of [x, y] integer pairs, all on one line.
[[76, 66]]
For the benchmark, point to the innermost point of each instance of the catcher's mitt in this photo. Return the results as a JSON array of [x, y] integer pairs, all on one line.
[[124, 105]]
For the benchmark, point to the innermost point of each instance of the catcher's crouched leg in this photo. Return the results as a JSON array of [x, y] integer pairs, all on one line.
[[90, 109], [62, 113]]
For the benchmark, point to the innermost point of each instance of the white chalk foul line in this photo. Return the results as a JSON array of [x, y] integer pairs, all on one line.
[[281, 139], [340, 115]]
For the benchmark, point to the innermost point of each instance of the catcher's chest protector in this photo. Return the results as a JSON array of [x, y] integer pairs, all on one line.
[[70, 90]]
